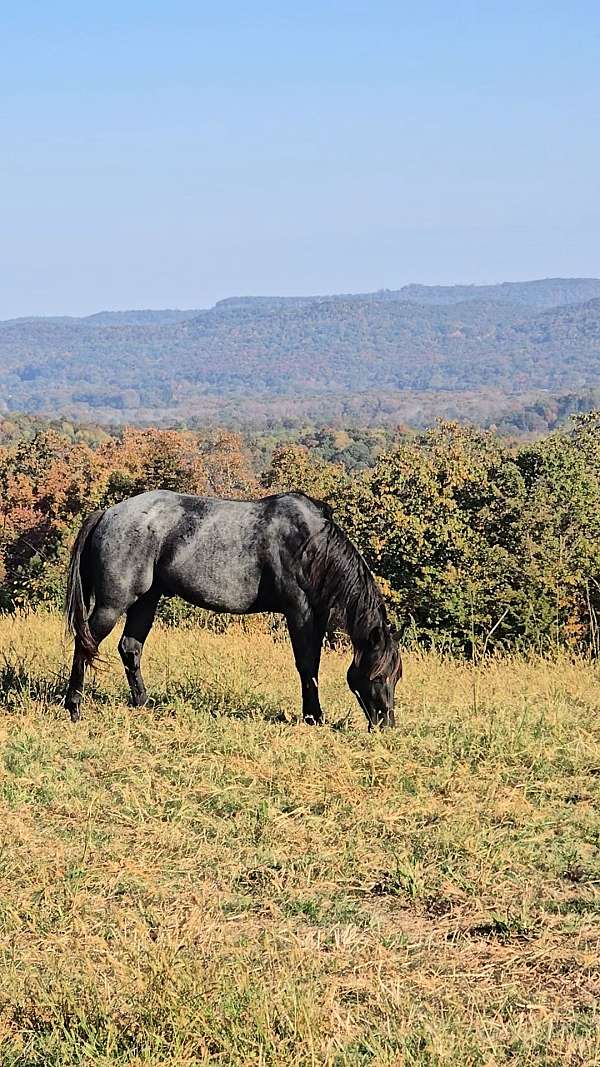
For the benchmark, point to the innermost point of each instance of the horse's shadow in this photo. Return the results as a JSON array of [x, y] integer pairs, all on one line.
[[206, 697], [202, 697], [21, 683]]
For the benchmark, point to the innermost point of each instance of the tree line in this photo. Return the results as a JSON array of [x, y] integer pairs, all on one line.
[[477, 544]]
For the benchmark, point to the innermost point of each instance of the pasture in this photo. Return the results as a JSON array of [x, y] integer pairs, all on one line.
[[207, 881]]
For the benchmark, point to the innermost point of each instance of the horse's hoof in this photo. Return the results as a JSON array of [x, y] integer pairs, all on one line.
[[311, 720], [75, 714]]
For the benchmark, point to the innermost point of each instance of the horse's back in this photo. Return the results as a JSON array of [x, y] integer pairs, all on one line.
[[160, 513]]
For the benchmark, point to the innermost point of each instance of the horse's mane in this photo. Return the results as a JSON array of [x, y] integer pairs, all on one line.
[[345, 594]]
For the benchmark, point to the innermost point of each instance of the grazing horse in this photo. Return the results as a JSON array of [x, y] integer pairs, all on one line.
[[282, 553]]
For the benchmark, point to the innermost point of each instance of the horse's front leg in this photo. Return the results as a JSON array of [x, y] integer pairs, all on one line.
[[307, 640]]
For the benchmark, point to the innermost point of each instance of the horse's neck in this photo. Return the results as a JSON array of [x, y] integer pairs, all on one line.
[[360, 634]]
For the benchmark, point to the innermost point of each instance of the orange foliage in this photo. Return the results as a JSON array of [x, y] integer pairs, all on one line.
[[50, 483]]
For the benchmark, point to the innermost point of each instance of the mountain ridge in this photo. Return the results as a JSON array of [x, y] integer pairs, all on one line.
[[538, 292], [121, 364]]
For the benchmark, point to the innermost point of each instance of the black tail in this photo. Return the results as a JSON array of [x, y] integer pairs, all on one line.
[[79, 592]]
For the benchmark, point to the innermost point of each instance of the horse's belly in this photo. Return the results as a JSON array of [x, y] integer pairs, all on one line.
[[215, 586]]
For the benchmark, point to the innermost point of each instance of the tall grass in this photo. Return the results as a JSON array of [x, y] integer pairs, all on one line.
[[208, 881]]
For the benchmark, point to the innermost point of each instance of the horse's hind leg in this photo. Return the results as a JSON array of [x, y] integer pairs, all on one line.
[[101, 622], [307, 639], [137, 627], [75, 690]]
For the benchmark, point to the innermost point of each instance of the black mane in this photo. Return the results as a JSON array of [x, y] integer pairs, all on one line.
[[345, 592]]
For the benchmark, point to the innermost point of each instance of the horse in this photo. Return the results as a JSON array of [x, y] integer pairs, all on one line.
[[282, 553]]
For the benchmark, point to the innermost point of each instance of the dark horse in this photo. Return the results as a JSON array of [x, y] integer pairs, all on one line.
[[283, 553]]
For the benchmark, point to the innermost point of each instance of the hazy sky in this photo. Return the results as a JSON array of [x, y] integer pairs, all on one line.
[[169, 154]]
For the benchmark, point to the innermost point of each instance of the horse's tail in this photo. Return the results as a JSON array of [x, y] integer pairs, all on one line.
[[79, 590]]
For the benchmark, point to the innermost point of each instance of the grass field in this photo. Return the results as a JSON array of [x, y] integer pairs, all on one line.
[[207, 881]]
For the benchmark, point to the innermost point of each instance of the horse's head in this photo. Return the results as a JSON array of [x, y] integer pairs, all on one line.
[[373, 674]]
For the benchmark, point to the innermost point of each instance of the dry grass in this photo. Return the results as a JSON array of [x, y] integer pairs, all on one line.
[[207, 881]]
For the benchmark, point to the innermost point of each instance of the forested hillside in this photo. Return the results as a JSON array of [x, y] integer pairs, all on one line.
[[513, 338]]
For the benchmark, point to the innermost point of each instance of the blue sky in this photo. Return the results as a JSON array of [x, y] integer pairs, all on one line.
[[170, 154]]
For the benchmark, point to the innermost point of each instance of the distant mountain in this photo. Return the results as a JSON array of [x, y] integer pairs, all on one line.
[[139, 318], [545, 293], [519, 336], [163, 317]]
